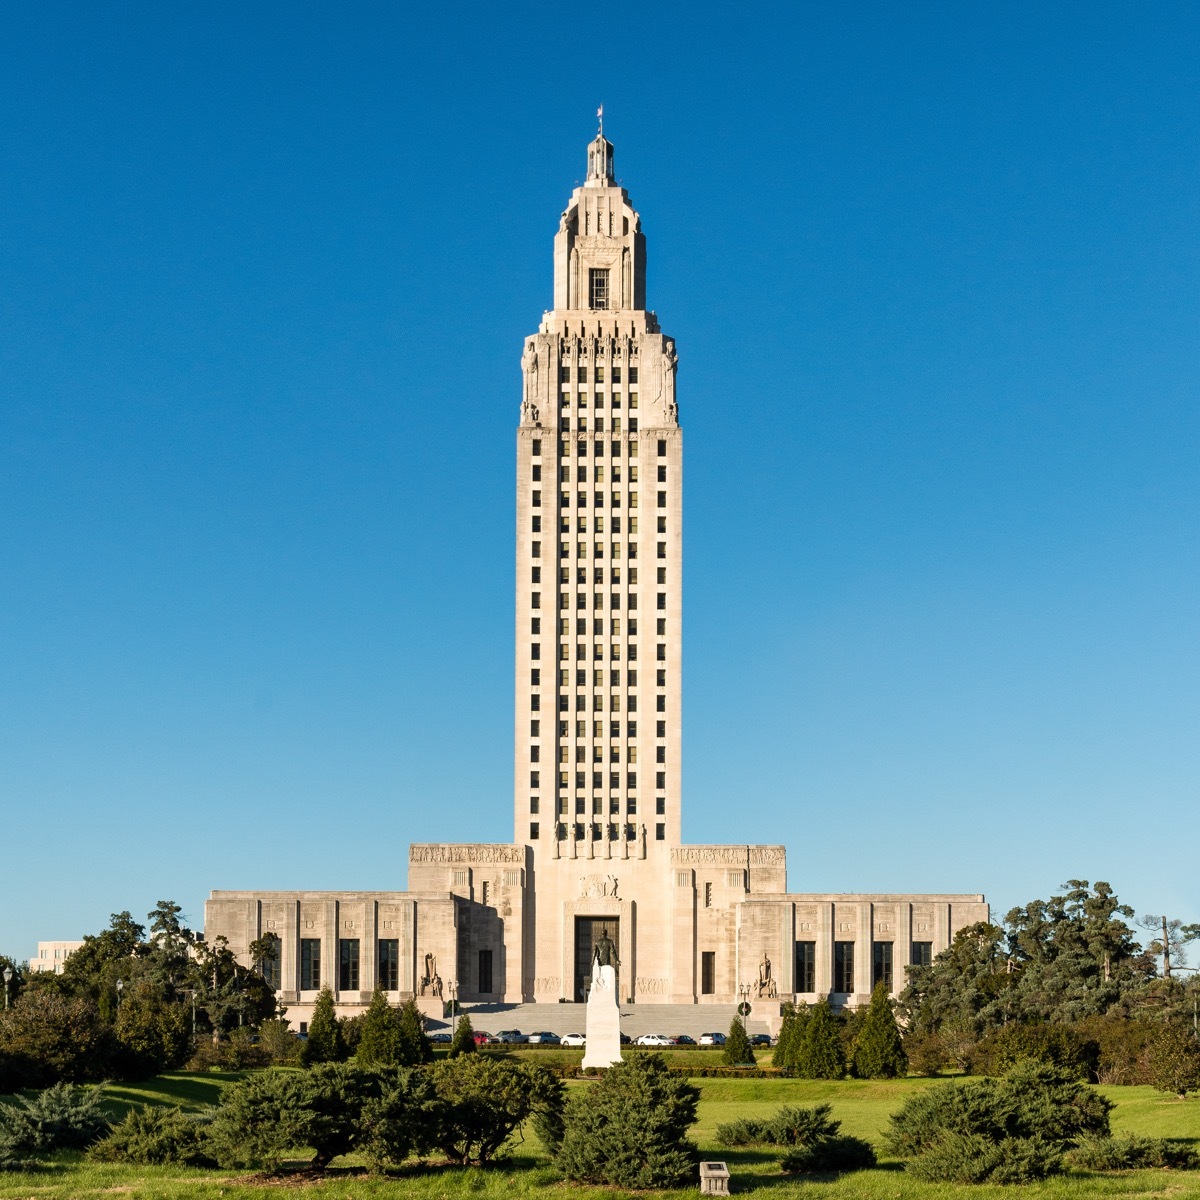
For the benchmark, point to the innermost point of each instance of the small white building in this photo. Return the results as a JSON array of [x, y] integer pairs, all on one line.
[[52, 956]]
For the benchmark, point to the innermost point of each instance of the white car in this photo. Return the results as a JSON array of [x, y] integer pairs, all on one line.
[[573, 1039], [653, 1039], [712, 1039]]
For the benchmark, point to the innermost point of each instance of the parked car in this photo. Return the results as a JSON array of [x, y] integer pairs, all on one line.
[[682, 1039], [572, 1039], [441, 1038], [654, 1039], [626, 1040], [543, 1039], [712, 1039], [481, 1038], [511, 1037], [760, 1039]]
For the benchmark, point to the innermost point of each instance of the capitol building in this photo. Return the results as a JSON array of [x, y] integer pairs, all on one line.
[[597, 796]]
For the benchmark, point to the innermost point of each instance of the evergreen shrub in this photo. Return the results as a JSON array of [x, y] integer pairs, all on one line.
[[463, 1041], [878, 1049], [61, 1117], [738, 1052], [157, 1135], [630, 1128], [1127, 1152], [829, 1156]]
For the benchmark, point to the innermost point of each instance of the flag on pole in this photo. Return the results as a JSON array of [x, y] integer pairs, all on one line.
[[600, 117]]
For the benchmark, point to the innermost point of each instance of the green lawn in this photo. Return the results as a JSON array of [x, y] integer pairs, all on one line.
[[862, 1106]]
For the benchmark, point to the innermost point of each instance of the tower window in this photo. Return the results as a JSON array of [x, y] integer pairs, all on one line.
[[598, 287]]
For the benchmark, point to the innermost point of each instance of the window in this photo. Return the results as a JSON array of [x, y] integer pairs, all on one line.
[[537, 500], [661, 678], [662, 627], [660, 754], [535, 650], [534, 753], [534, 779], [662, 524], [660, 728], [485, 972], [660, 833], [843, 967], [537, 447], [389, 965], [270, 965], [806, 966], [310, 964], [662, 474], [662, 600], [533, 831], [537, 525], [535, 676], [631, 677], [564, 374], [598, 287], [662, 448], [708, 895], [881, 964], [660, 806], [922, 954], [348, 964], [537, 473], [535, 625], [599, 373], [533, 804], [661, 705], [631, 779], [631, 729], [708, 969], [660, 779], [633, 374], [662, 499], [661, 652], [662, 551], [581, 375]]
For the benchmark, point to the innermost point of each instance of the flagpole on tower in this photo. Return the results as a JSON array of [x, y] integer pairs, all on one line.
[[600, 118]]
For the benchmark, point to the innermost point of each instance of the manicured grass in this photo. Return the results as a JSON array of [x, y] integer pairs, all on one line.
[[863, 1107]]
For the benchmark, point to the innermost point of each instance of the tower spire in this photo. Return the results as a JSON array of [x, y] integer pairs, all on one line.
[[600, 119]]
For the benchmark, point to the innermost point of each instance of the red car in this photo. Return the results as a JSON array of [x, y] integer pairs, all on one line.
[[481, 1039]]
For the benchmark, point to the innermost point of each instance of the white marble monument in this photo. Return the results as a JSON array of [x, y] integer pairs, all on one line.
[[603, 1019]]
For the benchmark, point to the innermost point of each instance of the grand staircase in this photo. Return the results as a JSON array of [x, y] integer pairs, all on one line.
[[636, 1019]]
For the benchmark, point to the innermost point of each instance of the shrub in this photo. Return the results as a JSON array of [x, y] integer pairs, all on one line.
[[153, 1031], [878, 1049], [48, 1037], [324, 1042], [415, 1047], [630, 1128], [401, 1119], [1122, 1048], [1175, 1060], [955, 1157], [926, 1053], [1128, 1152], [819, 1052], [738, 1051], [791, 1025], [278, 1044], [381, 1036], [789, 1126], [1057, 1045], [831, 1155], [60, 1118], [1005, 1130], [463, 1041], [483, 1100], [157, 1135]]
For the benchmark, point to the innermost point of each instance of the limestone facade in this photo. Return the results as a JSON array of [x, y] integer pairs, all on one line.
[[597, 785]]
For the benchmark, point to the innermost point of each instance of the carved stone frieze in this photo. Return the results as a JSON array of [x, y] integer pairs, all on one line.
[[476, 853]]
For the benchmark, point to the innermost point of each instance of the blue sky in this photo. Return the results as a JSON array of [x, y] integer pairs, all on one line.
[[264, 276]]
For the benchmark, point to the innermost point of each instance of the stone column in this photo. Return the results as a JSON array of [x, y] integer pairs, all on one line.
[[824, 950], [864, 937], [902, 949]]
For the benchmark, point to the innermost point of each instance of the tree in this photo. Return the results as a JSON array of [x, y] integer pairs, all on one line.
[[381, 1040], [152, 1030], [463, 1041], [415, 1047], [47, 1037], [791, 1038], [1172, 937], [820, 1055], [483, 1100], [738, 1051], [630, 1129], [1175, 1060], [324, 1042], [878, 1049]]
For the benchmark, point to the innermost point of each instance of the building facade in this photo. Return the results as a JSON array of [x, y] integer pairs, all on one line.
[[52, 957], [597, 845]]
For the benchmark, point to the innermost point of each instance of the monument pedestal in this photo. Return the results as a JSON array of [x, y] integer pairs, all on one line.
[[603, 1030]]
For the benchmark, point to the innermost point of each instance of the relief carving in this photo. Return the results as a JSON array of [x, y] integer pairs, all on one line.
[[436, 853], [546, 986], [597, 886], [651, 987]]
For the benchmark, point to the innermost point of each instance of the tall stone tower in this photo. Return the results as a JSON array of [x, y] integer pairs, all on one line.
[[599, 491]]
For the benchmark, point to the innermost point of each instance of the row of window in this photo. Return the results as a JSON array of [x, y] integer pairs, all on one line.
[[581, 448], [882, 970], [581, 399], [597, 655], [597, 627], [597, 754], [581, 678], [581, 525], [581, 705], [581, 473], [581, 373], [614, 779], [387, 973], [614, 806], [581, 425], [617, 832], [597, 729]]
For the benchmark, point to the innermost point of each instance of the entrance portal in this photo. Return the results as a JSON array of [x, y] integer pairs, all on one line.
[[588, 931]]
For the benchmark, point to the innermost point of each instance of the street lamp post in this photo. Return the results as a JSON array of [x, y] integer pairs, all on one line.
[[120, 989], [7, 980], [453, 989]]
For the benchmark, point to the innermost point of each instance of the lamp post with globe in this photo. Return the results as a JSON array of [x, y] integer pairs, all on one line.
[[7, 980]]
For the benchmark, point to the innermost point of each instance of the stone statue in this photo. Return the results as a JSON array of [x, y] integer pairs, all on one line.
[[642, 835], [605, 953], [436, 987], [765, 982], [529, 413]]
